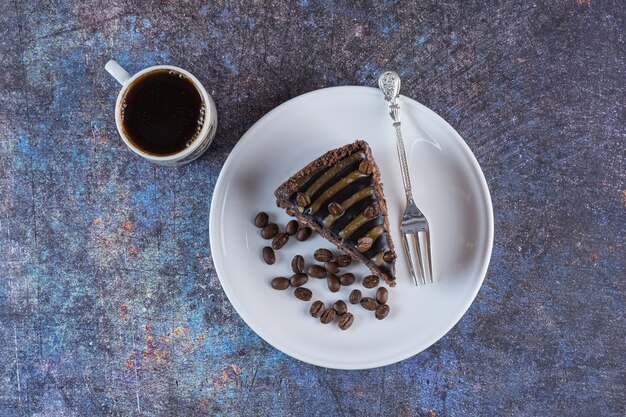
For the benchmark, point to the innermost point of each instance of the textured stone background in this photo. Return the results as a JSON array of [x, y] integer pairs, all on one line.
[[109, 302]]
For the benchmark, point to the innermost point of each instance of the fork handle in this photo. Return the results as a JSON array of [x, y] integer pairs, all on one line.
[[404, 166]]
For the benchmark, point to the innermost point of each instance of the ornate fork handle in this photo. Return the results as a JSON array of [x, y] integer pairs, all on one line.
[[404, 166], [389, 83]]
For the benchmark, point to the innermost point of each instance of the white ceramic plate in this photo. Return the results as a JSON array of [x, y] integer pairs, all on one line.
[[449, 187]]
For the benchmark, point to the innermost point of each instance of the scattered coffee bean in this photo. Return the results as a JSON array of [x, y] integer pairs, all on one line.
[[331, 267], [382, 295], [369, 303], [340, 307], [261, 219], [370, 281], [316, 271], [280, 283], [279, 241], [389, 256], [304, 233], [298, 280], [317, 308], [370, 212], [332, 264], [328, 316], [343, 260], [297, 264], [292, 227], [382, 311], [303, 294], [333, 283], [303, 200], [366, 167], [336, 209], [355, 297], [323, 255], [347, 279], [269, 231], [268, 255], [345, 321], [364, 244]]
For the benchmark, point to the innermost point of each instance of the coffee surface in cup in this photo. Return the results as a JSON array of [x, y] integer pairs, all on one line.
[[162, 112]]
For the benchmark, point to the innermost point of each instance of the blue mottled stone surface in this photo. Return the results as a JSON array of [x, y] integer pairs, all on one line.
[[109, 302]]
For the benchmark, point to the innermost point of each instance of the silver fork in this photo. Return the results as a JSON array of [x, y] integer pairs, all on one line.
[[414, 226]]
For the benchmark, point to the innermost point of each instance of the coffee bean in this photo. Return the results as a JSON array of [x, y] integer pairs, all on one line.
[[370, 281], [297, 264], [369, 303], [389, 256], [280, 283], [382, 295], [279, 241], [370, 212], [343, 260], [382, 311], [268, 255], [292, 227], [303, 234], [333, 283], [303, 200], [328, 316], [298, 280], [316, 271], [355, 297], [345, 321], [261, 219], [340, 307], [303, 294], [366, 167], [331, 267], [364, 244], [317, 308], [336, 209], [323, 255], [347, 279], [269, 231]]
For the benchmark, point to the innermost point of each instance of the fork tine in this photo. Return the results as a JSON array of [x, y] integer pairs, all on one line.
[[418, 256], [410, 257], [430, 257], [423, 240]]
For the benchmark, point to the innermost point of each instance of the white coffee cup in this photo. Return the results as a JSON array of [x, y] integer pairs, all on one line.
[[201, 142]]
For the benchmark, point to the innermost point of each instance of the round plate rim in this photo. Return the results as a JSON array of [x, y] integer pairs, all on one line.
[[219, 268]]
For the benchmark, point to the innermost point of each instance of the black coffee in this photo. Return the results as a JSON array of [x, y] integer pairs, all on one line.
[[162, 112]]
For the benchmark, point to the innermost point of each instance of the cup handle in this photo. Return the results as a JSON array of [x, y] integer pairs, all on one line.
[[117, 71]]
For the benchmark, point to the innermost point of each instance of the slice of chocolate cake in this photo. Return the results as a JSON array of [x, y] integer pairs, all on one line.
[[340, 195]]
